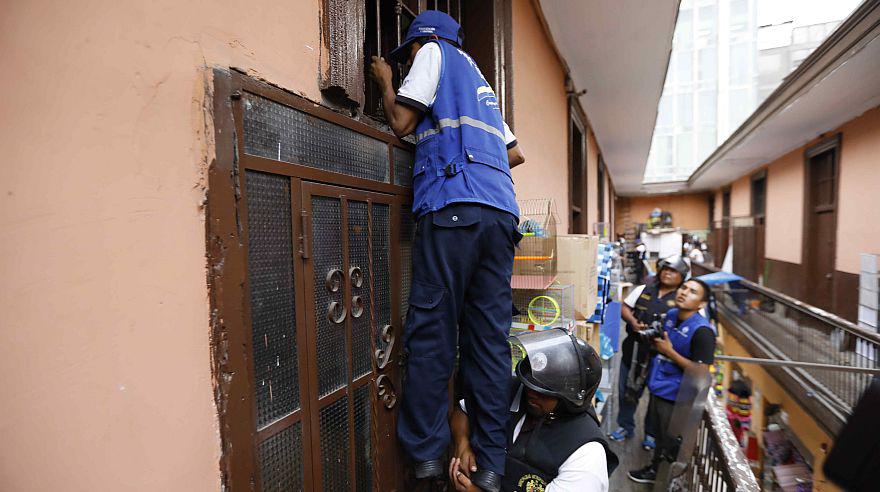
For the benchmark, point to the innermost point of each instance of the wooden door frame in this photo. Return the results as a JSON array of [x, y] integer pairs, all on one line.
[[835, 143], [227, 278], [577, 119]]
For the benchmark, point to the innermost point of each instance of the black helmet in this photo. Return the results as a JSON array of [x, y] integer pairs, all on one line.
[[674, 262], [560, 365]]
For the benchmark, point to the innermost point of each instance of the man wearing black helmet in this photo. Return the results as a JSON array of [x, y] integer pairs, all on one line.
[[646, 303], [554, 442]]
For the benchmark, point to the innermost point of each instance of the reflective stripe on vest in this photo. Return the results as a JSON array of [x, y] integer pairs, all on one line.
[[455, 123], [461, 156]]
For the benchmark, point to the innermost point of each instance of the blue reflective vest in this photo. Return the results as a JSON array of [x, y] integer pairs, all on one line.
[[665, 376], [460, 151]]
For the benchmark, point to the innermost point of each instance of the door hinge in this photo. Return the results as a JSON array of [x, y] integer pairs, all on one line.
[[304, 245]]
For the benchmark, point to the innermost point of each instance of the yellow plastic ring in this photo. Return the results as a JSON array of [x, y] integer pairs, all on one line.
[[543, 310]]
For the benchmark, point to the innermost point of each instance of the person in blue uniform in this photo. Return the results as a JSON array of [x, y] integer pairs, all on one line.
[[466, 231], [643, 305], [688, 341]]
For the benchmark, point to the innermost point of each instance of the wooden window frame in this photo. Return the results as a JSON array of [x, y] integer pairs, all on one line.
[[344, 81]]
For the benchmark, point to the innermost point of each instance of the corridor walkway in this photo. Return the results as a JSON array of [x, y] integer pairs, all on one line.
[[630, 452]]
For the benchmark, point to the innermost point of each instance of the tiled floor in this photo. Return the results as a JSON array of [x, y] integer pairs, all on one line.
[[630, 454]]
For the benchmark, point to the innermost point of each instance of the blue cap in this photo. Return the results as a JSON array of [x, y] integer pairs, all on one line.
[[428, 23]]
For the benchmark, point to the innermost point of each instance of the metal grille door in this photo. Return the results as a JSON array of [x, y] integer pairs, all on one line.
[[347, 240], [306, 281]]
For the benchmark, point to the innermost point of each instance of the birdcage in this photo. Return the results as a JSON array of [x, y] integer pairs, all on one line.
[[542, 309], [534, 263]]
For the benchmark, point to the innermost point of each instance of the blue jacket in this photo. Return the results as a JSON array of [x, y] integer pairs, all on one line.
[[665, 376], [461, 155]]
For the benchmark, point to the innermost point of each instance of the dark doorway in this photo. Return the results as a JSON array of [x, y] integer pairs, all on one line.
[[577, 158], [759, 206], [820, 221], [723, 228], [601, 189], [711, 200]]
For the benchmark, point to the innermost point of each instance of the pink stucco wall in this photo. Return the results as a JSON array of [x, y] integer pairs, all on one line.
[[105, 127], [689, 211], [541, 118], [740, 197], [857, 190], [857, 227], [785, 208]]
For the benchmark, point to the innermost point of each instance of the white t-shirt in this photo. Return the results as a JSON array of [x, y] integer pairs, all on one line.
[[585, 470], [633, 296], [419, 88]]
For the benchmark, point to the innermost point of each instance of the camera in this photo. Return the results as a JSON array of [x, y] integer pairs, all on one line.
[[655, 329]]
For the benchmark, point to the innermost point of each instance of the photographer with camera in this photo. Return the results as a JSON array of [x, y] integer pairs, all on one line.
[[644, 306], [686, 340]]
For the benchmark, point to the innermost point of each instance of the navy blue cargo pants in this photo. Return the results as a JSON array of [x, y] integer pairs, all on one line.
[[462, 263]]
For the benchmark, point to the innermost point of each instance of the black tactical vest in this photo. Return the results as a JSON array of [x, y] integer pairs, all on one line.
[[646, 306], [533, 461]]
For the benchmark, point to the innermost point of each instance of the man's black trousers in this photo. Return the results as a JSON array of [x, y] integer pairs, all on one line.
[[462, 263], [659, 415]]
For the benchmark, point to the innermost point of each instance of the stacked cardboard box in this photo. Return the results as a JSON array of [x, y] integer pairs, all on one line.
[[869, 302], [869, 291], [577, 267]]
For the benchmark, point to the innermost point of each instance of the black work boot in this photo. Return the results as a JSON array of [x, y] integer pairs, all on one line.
[[428, 469], [647, 474], [486, 480]]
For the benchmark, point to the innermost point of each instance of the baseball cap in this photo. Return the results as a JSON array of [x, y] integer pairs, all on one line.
[[428, 23]]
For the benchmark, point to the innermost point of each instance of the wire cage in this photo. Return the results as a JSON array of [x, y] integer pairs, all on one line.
[[534, 263], [542, 309]]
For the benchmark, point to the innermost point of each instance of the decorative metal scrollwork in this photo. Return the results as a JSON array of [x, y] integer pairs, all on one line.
[[336, 312], [383, 355], [386, 392], [357, 276], [357, 306], [334, 280]]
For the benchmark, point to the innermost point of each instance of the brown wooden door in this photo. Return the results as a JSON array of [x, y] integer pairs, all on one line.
[[349, 312], [744, 251], [821, 227]]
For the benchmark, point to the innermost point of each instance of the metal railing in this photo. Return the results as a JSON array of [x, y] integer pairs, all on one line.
[[717, 463], [787, 329]]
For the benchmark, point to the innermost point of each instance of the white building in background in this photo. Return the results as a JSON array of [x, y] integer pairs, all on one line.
[[782, 47], [727, 56]]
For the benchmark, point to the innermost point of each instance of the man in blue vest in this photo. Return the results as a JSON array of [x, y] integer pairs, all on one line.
[[466, 231], [688, 340], [645, 304]]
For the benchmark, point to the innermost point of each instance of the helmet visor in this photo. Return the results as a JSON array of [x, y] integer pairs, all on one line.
[[554, 362]]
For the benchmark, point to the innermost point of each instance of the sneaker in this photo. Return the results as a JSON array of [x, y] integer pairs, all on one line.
[[649, 443], [645, 475], [620, 434]]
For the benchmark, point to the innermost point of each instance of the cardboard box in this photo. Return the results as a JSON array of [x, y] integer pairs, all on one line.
[[869, 281], [576, 265], [868, 316], [587, 332], [869, 298], [870, 263]]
